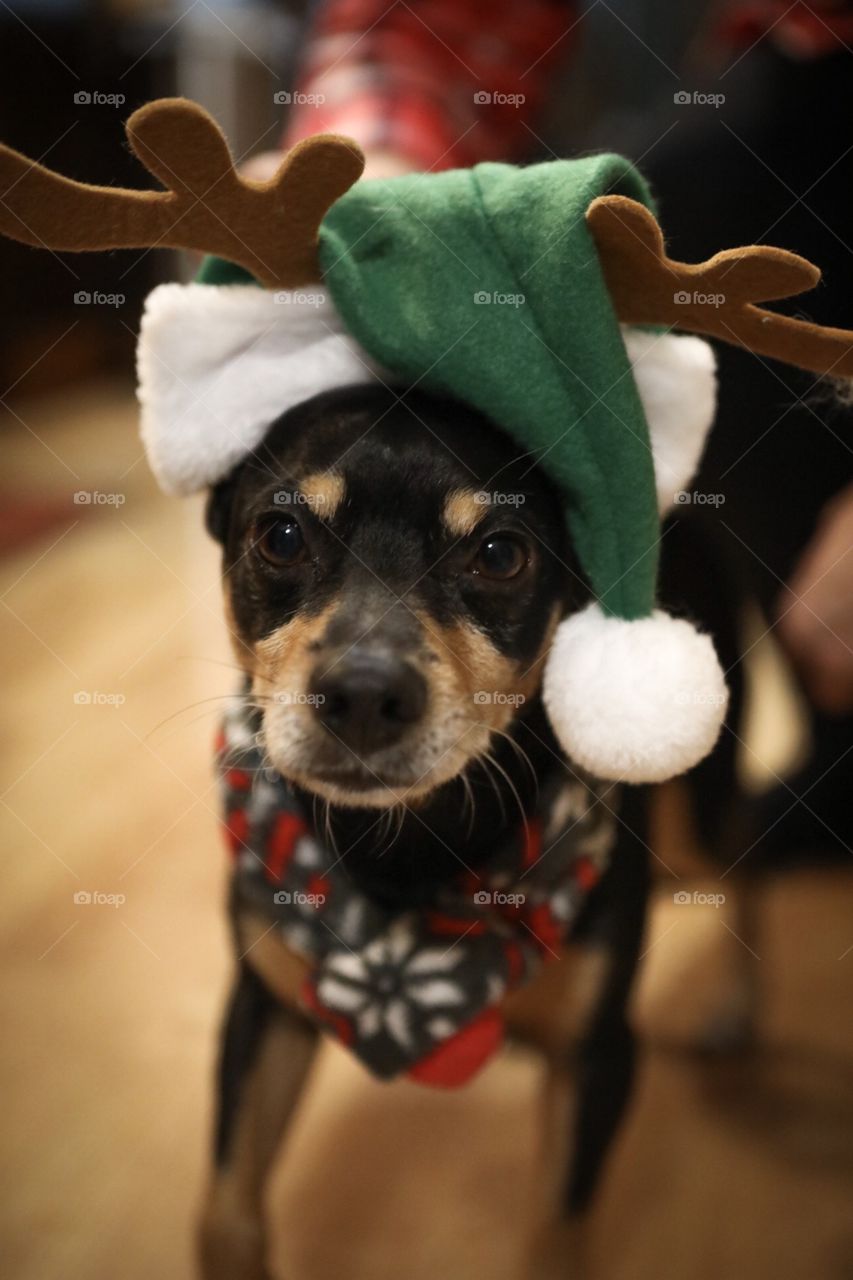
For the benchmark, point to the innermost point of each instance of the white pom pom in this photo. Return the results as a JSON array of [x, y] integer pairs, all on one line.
[[634, 701]]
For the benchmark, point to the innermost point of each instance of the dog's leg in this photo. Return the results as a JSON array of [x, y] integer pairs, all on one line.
[[266, 1052], [607, 1051]]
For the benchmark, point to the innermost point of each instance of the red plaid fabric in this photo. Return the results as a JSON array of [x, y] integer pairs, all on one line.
[[444, 83], [802, 30], [447, 83]]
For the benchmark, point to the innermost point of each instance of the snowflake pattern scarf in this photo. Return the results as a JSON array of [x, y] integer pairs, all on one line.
[[415, 991]]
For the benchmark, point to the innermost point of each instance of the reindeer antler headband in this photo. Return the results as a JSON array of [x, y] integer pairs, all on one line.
[[268, 228], [527, 292], [648, 287]]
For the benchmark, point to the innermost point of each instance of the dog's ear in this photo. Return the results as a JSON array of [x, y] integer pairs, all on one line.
[[219, 507]]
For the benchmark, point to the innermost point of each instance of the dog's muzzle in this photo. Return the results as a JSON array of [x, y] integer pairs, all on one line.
[[368, 699]]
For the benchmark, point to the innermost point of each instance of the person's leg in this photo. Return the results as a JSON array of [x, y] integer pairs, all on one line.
[[774, 165]]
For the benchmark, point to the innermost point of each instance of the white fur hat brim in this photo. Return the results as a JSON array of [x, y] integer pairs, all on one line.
[[633, 701], [676, 377], [218, 364]]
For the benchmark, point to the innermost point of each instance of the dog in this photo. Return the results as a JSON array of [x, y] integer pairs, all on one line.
[[388, 560]]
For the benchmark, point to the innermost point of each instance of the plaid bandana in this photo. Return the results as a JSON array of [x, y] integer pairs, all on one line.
[[410, 991]]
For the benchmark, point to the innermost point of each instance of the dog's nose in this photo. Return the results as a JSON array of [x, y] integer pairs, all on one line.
[[369, 700]]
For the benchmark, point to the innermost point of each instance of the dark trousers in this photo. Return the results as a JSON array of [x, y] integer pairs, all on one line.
[[775, 164]]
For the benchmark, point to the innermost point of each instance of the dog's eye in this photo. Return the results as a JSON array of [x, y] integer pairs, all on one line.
[[500, 557], [280, 542]]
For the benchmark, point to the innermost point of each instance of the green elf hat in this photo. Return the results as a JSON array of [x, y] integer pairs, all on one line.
[[543, 296], [486, 284]]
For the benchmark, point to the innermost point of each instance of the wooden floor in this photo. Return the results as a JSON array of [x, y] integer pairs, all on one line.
[[735, 1169]]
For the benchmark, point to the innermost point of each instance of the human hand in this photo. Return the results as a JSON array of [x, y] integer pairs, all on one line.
[[816, 609]]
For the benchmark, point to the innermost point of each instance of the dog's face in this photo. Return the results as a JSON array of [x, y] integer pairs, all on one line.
[[394, 571]]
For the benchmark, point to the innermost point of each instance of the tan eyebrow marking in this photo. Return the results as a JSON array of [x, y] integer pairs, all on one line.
[[323, 492], [463, 511]]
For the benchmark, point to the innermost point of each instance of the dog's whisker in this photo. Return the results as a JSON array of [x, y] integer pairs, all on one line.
[[522, 755], [216, 662], [484, 760], [396, 813], [470, 802], [329, 829], [386, 821], [513, 788], [517, 747], [191, 706]]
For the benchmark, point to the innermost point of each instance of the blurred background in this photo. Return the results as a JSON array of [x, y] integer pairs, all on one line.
[[737, 1159]]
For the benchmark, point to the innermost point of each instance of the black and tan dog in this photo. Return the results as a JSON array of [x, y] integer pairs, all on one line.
[[363, 566]]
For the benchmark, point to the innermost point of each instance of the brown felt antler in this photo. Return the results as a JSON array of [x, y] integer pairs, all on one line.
[[717, 297], [270, 228]]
